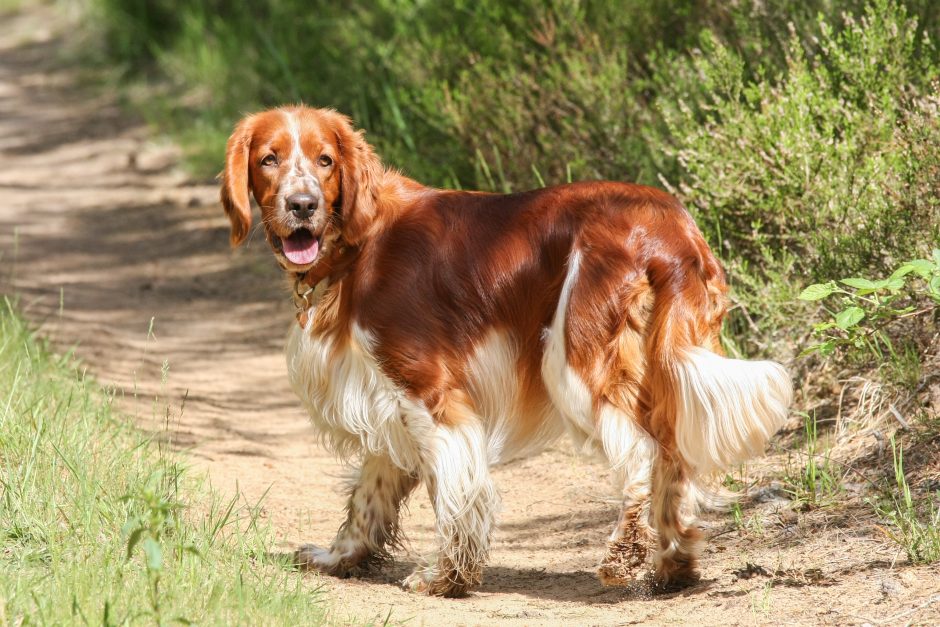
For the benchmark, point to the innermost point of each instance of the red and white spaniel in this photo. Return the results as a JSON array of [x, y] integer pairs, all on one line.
[[441, 332]]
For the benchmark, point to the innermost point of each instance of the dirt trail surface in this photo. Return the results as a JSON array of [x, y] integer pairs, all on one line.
[[101, 232]]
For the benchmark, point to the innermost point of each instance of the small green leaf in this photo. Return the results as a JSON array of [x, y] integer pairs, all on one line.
[[817, 291], [827, 348], [154, 554], [849, 317], [935, 286], [859, 283], [824, 348], [823, 326], [921, 267], [894, 283], [936, 256], [902, 271]]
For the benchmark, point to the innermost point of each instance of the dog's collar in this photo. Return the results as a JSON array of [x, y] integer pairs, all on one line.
[[331, 270]]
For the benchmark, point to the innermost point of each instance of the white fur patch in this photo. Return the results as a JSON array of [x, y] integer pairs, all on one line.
[[566, 389], [352, 403], [494, 387], [727, 408], [300, 177]]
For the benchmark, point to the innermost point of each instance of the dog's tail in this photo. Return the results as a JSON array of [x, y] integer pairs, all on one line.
[[727, 409], [723, 410]]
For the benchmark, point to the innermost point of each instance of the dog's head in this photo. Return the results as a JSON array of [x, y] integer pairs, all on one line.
[[314, 177]]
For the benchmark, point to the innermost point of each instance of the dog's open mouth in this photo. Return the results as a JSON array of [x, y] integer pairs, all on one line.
[[301, 247]]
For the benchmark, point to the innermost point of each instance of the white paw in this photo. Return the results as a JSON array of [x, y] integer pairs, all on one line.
[[419, 580], [312, 557]]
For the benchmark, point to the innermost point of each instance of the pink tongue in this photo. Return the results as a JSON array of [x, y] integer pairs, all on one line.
[[300, 248]]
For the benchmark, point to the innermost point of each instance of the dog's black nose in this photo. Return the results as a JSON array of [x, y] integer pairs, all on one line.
[[302, 205]]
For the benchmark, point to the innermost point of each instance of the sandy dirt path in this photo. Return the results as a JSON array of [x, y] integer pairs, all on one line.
[[101, 233]]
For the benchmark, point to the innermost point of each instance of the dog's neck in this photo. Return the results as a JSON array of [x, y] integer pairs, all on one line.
[[330, 271], [396, 194]]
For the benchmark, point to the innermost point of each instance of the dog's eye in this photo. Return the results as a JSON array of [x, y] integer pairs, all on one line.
[[269, 160], [324, 161]]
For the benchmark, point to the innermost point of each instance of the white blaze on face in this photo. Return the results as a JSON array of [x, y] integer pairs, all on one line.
[[301, 247], [300, 178]]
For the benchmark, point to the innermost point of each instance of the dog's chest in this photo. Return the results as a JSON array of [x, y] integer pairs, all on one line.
[[353, 404]]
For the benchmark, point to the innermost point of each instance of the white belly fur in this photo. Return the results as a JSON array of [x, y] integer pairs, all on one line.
[[356, 407]]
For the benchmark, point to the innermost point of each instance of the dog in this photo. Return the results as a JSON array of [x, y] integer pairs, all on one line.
[[441, 332]]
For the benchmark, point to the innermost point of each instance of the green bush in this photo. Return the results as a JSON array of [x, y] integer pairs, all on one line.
[[446, 90], [820, 170], [799, 133]]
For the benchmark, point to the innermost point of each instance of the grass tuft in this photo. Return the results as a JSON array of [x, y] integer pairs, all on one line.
[[100, 526], [812, 481], [915, 527]]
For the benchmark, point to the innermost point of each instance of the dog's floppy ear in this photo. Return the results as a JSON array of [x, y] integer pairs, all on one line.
[[360, 172], [234, 194]]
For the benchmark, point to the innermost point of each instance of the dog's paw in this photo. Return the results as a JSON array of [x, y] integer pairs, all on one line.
[[419, 579], [672, 577], [326, 561], [616, 575], [621, 563], [429, 580], [312, 557]]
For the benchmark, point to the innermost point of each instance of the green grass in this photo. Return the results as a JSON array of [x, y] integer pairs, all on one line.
[[812, 480], [101, 526], [913, 526]]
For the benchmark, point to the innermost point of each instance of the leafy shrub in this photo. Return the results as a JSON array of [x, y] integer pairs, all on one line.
[[868, 307], [818, 170], [442, 87], [800, 133]]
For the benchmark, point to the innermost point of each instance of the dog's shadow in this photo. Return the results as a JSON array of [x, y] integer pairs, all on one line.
[[578, 586]]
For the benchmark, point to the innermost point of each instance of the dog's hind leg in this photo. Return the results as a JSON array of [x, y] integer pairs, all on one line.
[[676, 561], [593, 371], [376, 494], [631, 452], [707, 412], [465, 504]]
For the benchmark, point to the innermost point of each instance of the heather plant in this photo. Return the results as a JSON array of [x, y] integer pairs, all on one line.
[[817, 170], [467, 94]]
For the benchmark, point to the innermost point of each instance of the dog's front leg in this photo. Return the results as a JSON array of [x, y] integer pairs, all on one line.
[[465, 503], [371, 525]]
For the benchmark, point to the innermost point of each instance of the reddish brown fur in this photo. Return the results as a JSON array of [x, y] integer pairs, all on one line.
[[431, 273], [456, 265]]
